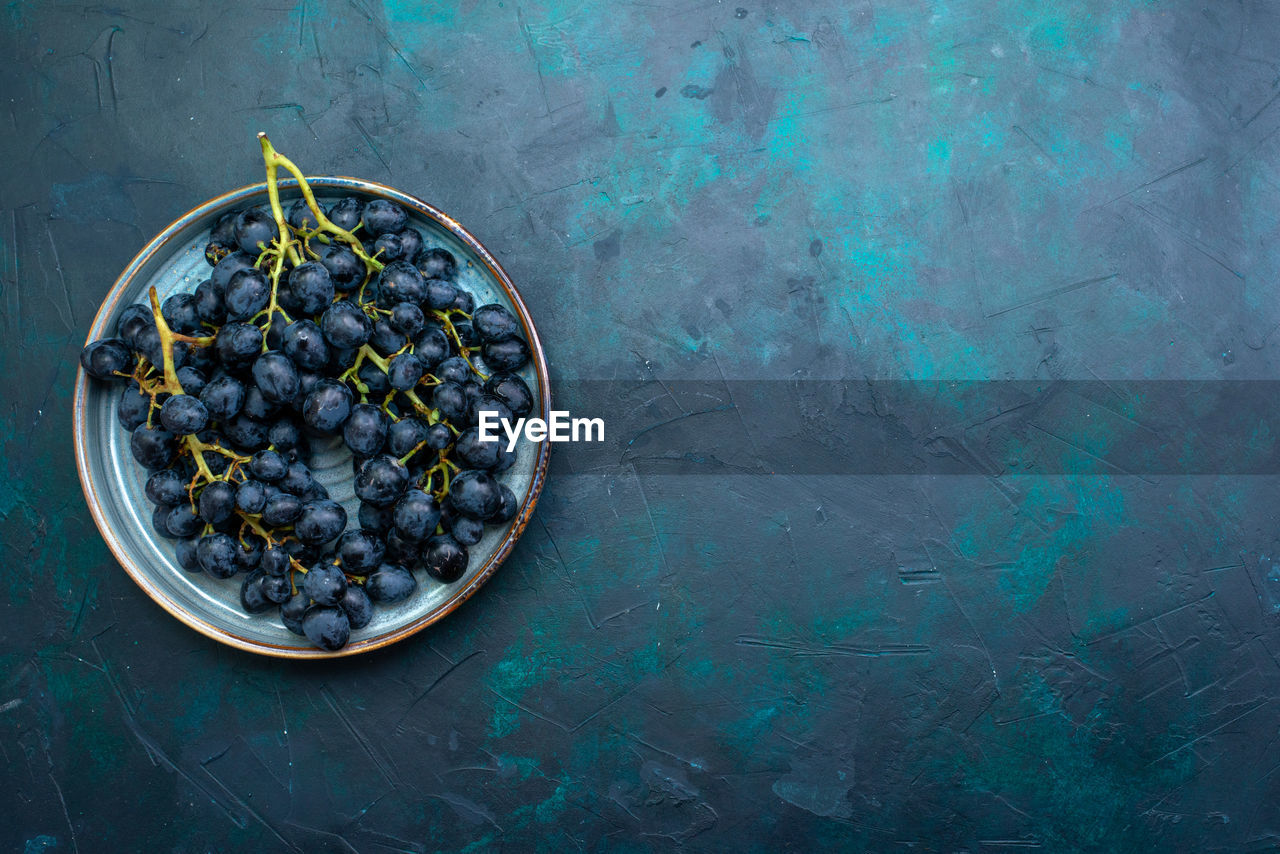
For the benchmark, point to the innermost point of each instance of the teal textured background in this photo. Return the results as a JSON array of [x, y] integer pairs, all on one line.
[[726, 660]]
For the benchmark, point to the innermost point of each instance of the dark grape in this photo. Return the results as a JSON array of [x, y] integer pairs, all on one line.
[[326, 627], [445, 559], [381, 217], [105, 357], [390, 583], [436, 263]]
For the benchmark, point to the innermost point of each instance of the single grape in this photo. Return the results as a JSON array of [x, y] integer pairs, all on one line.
[[312, 287], [345, 326], [255, 230], [398, 282], [319, 522], [507, 354], [404, 435], [445, 559], [467, 531], [247, 293], [297, 478], [183, 414], [217, 501], [431, 346], [293, 611], [223, 397], [209, 303], [245, 433], [237, 344], [268, 466], [494, 322], [179, 311], [440, 293], [345, 213], [281, 509], [327, 627], [251, 496], [346, 270], [388, 248], [358, 606], [381, 480], [374, 518], [185, 552], [228, 267], [360, 551], [133, 407], [166, 487], [416, 515], [105, 357], [391, 583], [436, 263], [407, 319], [300, 216], [381, 217], [275, 560], [451, 400], [404, 371], [327, 406], [475, 493], [253, 598], [217, 555], [153, 447], [192, 380], [324, 583], [277, 377], [511, 390], [366, 430]]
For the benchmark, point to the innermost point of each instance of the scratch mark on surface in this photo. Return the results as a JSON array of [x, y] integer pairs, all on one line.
[[373, 147], [804, 649], [1203, 736], [75, 846], [1174, 171], [1056, 292], [537, 66], [1191, 241], [1132, 626], [434, 683], [358, 736]]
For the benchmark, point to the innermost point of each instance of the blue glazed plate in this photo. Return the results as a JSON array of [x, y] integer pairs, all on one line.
[[113, 482]]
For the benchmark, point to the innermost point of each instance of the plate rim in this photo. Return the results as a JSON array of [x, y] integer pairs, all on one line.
[[462, 594]]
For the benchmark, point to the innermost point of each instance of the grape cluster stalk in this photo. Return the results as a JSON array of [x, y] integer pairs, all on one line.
[[315, 324]]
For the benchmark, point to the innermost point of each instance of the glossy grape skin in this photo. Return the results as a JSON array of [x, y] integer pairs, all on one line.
[[366, 430], [305, 344], [346, 270], [275, 374], [345, 326], [376, 519], [192, 380], [153, 447], [293, 610], [416, 515], [268, 466], [345, 213], [183, 414], [511, 390], [383, 217], [223, 397], [407, 319], [284, 434], [324, 583], [217, 502], [505, 355], [476, 454], [185, 552], [358, 605], [475, 493], [276, 588], [359, 551], [274, 561], [399, 282], [256, 404], [467, 531], [245, 433], [209, 304], [254, 230], [451, 400], [320, 521], [165, 487], [445, 559], [179, 311], [439, 293], [467, 334], [494, 322], [251, 496], [385, 339], [388, 248], [247, 293], [404, 435], [431, 346], [297, 478], [132, 407], [381, 480], [327, 627], [104, 357], [133, 319], [253, 598], [465, 301], [312, 287], [281, 509], [390, 583], [228, 267], [327, 406], [436, 263], [404, 371], [217, 555], [237, 344], [300, 216], [375, 381]]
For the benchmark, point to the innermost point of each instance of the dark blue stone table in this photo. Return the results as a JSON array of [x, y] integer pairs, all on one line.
[[832, 582]]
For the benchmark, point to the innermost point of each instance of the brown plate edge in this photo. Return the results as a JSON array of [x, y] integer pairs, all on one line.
[[519, 524]]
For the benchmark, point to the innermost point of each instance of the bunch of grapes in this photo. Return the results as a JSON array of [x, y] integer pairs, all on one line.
[[317, 324]]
